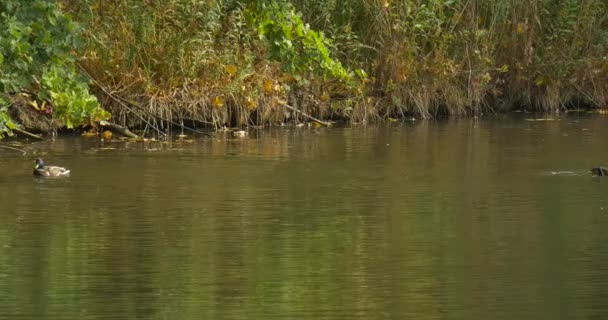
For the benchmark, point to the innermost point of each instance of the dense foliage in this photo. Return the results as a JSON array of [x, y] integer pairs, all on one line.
[[240, 62], [36, 43], [228, 62], [463, 56], [234, 60]]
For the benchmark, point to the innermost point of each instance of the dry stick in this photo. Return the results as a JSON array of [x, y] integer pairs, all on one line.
[[588, 96], [28, 134], [166, 119], [120, 129], [305, 115], [115, 98], [123, 103]]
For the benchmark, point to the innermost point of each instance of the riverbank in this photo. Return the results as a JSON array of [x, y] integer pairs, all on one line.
[[190, 132], [218, 64], [238, 63]]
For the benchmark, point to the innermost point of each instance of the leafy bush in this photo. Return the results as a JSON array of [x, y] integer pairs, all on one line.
[[36, 44]]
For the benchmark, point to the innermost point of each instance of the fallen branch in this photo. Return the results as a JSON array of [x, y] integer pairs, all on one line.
[[166, 119], [29, 134], [117, 100], [123, 102], [118, 129], [306, 115]]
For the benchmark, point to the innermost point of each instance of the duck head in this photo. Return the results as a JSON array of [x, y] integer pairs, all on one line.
[[39, 164]]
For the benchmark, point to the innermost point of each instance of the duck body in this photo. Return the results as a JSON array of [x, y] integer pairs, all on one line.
[[49, 171], [599, 171]]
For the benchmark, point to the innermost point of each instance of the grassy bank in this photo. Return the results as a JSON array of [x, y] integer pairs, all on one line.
[[219, 62], [468, 56], [239, 63]]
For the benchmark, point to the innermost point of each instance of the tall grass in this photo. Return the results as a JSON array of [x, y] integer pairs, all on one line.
[[460, 57], [207, 60]]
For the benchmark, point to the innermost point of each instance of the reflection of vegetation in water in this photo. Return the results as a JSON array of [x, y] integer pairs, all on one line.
[[382, 222]]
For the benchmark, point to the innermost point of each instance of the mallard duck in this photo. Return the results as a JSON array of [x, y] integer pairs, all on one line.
[[49, 171], [599, 171]]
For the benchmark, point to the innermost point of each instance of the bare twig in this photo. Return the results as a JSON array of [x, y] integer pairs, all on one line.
[[29, 134], [119, 101], [124, 103], [168, 120], [120, 129], [305, 115]]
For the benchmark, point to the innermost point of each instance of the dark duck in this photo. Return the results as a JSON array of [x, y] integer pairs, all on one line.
[[40, 169], [599, 171]]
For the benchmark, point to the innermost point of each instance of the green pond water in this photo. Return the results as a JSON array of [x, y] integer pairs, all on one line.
[[463, 219]]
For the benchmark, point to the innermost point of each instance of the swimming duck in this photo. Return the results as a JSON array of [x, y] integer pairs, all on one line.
[[49, 171], [599, 171]]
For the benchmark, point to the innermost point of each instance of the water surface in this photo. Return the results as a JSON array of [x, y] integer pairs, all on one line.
[[463, 219]]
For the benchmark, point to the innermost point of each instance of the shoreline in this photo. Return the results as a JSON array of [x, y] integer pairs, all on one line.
[[194, 128]]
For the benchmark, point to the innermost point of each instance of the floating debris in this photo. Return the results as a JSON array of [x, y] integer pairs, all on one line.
[[89, 134], [541, 119], [240, 133]]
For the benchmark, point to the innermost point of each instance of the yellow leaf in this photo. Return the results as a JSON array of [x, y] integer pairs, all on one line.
[[107, 134], [267, 86], [325, 96], [250, 103], [539, 81], [218, 102], [230, 69], [486, 77], [521, 28], [503, 69], [34, 104]]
